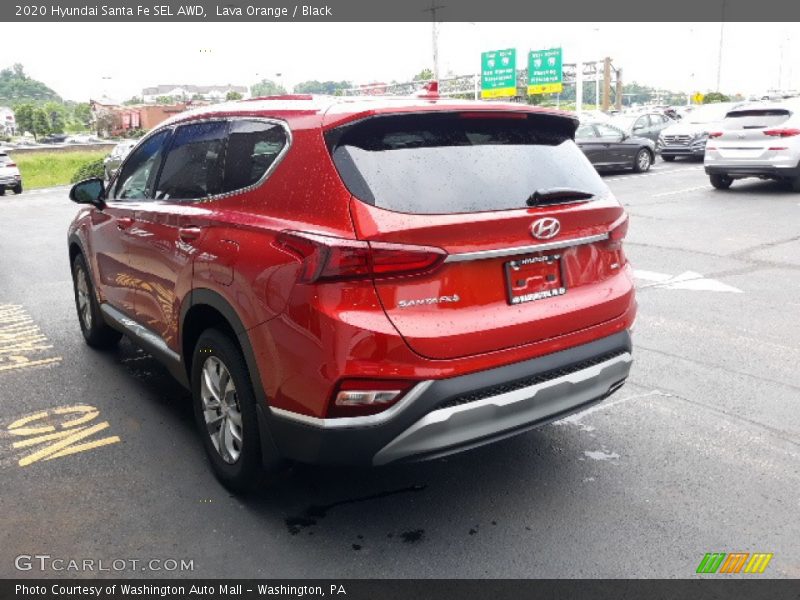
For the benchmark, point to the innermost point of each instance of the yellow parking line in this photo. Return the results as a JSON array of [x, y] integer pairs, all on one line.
[[80, 434]]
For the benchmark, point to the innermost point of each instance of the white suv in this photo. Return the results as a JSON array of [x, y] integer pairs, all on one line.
[[757, 140], [9, 175]]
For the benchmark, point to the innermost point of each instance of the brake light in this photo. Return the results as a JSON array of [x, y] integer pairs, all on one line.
[[359, 397], [326, 258], [781, 132], [8, 165], [715, 134], [778, 148]]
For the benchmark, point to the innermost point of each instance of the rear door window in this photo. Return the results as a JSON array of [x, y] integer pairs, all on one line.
[[193, 168], [460, 162], [756, 118]]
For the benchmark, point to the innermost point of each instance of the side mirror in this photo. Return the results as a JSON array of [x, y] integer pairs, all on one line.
[[89, 191]]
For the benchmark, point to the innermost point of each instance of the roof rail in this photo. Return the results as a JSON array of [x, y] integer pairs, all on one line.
[[283, 97]]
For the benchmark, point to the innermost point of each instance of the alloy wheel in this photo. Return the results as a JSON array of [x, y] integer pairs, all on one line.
[[221, 410]]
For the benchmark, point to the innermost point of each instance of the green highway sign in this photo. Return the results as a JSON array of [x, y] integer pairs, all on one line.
[[544, 71], [499, 73]]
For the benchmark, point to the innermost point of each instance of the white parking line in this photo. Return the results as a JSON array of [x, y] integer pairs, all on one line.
[[652, 173], [684, 191]]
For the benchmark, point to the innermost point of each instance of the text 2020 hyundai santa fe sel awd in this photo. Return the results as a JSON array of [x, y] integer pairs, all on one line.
[[360, 281]]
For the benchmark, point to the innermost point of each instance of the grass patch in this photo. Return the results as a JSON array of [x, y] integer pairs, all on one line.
[[47, 169]]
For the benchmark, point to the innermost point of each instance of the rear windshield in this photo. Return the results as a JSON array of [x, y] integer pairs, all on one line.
[[756, 118], [460, 162]]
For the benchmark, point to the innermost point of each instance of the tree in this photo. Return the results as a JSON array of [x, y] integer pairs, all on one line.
[[17, 88], [41, 124], [23, 113], [104, 122], [165, 100], [133, 100], [713, 97], [82, 113], [423, 75], [232, 95], [330, 88], [56, 116], [267, 87]]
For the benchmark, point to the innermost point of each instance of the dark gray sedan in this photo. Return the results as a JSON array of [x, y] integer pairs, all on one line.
[[608, 147]]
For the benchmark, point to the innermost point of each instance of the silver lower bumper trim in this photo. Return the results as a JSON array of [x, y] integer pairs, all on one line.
[[468, 424]]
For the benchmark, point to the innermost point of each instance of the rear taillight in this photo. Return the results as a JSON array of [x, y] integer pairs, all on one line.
[[360, 397], [619, 230], [327, 258], [781, 132], [715, 134], [617, 233], [10, 164]]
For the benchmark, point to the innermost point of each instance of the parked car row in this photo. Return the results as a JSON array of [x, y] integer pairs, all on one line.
[[735, 140]]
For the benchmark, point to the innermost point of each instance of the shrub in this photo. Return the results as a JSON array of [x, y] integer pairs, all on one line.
[[94, 168]]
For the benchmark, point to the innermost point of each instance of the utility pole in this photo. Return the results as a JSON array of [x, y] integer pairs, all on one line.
[[619, 89], [435, 35], [721, 39], [606, 83]]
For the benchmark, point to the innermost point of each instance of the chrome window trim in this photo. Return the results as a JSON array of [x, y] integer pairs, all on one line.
[[351, 422], [500, 252], [172, 128]]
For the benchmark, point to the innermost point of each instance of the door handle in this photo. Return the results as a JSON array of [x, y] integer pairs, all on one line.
[[124, 222], [189, 234]]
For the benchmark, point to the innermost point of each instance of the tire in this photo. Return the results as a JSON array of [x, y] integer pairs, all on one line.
[[237, 463], [721, 182], [2, 191], [794, 184], [667, 158], [95, 330], [18, 189], [642, 161]]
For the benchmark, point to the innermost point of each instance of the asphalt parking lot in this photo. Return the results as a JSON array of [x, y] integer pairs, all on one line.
[[699, 452]]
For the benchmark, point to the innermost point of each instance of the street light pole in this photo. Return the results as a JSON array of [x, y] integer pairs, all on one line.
[[435, 37], [721, 40]]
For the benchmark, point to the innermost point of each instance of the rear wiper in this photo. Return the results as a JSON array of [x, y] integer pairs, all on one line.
[[556, 195]]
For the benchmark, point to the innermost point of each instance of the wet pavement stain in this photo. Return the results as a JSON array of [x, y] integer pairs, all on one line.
[[413, 536], [313, 513], [356, 547]]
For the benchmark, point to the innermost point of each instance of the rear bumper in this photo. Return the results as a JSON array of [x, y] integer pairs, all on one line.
[[740, 170], [444, 416], [10, 180]]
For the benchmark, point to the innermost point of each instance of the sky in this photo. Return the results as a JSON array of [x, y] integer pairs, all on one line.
[[86, 60]]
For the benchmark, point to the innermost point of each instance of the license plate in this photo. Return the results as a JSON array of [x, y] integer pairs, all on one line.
[[535, 277]]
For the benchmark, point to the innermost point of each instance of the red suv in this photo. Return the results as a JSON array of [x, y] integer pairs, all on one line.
[[366, 281]]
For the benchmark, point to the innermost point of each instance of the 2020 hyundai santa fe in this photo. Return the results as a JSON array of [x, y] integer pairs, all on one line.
[[360, 281]]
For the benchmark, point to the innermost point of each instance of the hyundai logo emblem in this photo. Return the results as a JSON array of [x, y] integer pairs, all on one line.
[[545, 229]]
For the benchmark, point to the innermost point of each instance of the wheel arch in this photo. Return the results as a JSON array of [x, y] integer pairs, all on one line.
[[203, 308]]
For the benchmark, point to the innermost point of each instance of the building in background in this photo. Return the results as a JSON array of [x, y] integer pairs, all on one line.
[[112, 119], [8, 125], [211, 93]]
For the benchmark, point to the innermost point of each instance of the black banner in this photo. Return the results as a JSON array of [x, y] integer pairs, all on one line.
[[529, 589], [395, 10]]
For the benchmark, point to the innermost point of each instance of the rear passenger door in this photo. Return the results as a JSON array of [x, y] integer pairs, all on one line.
[[171, 222]]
